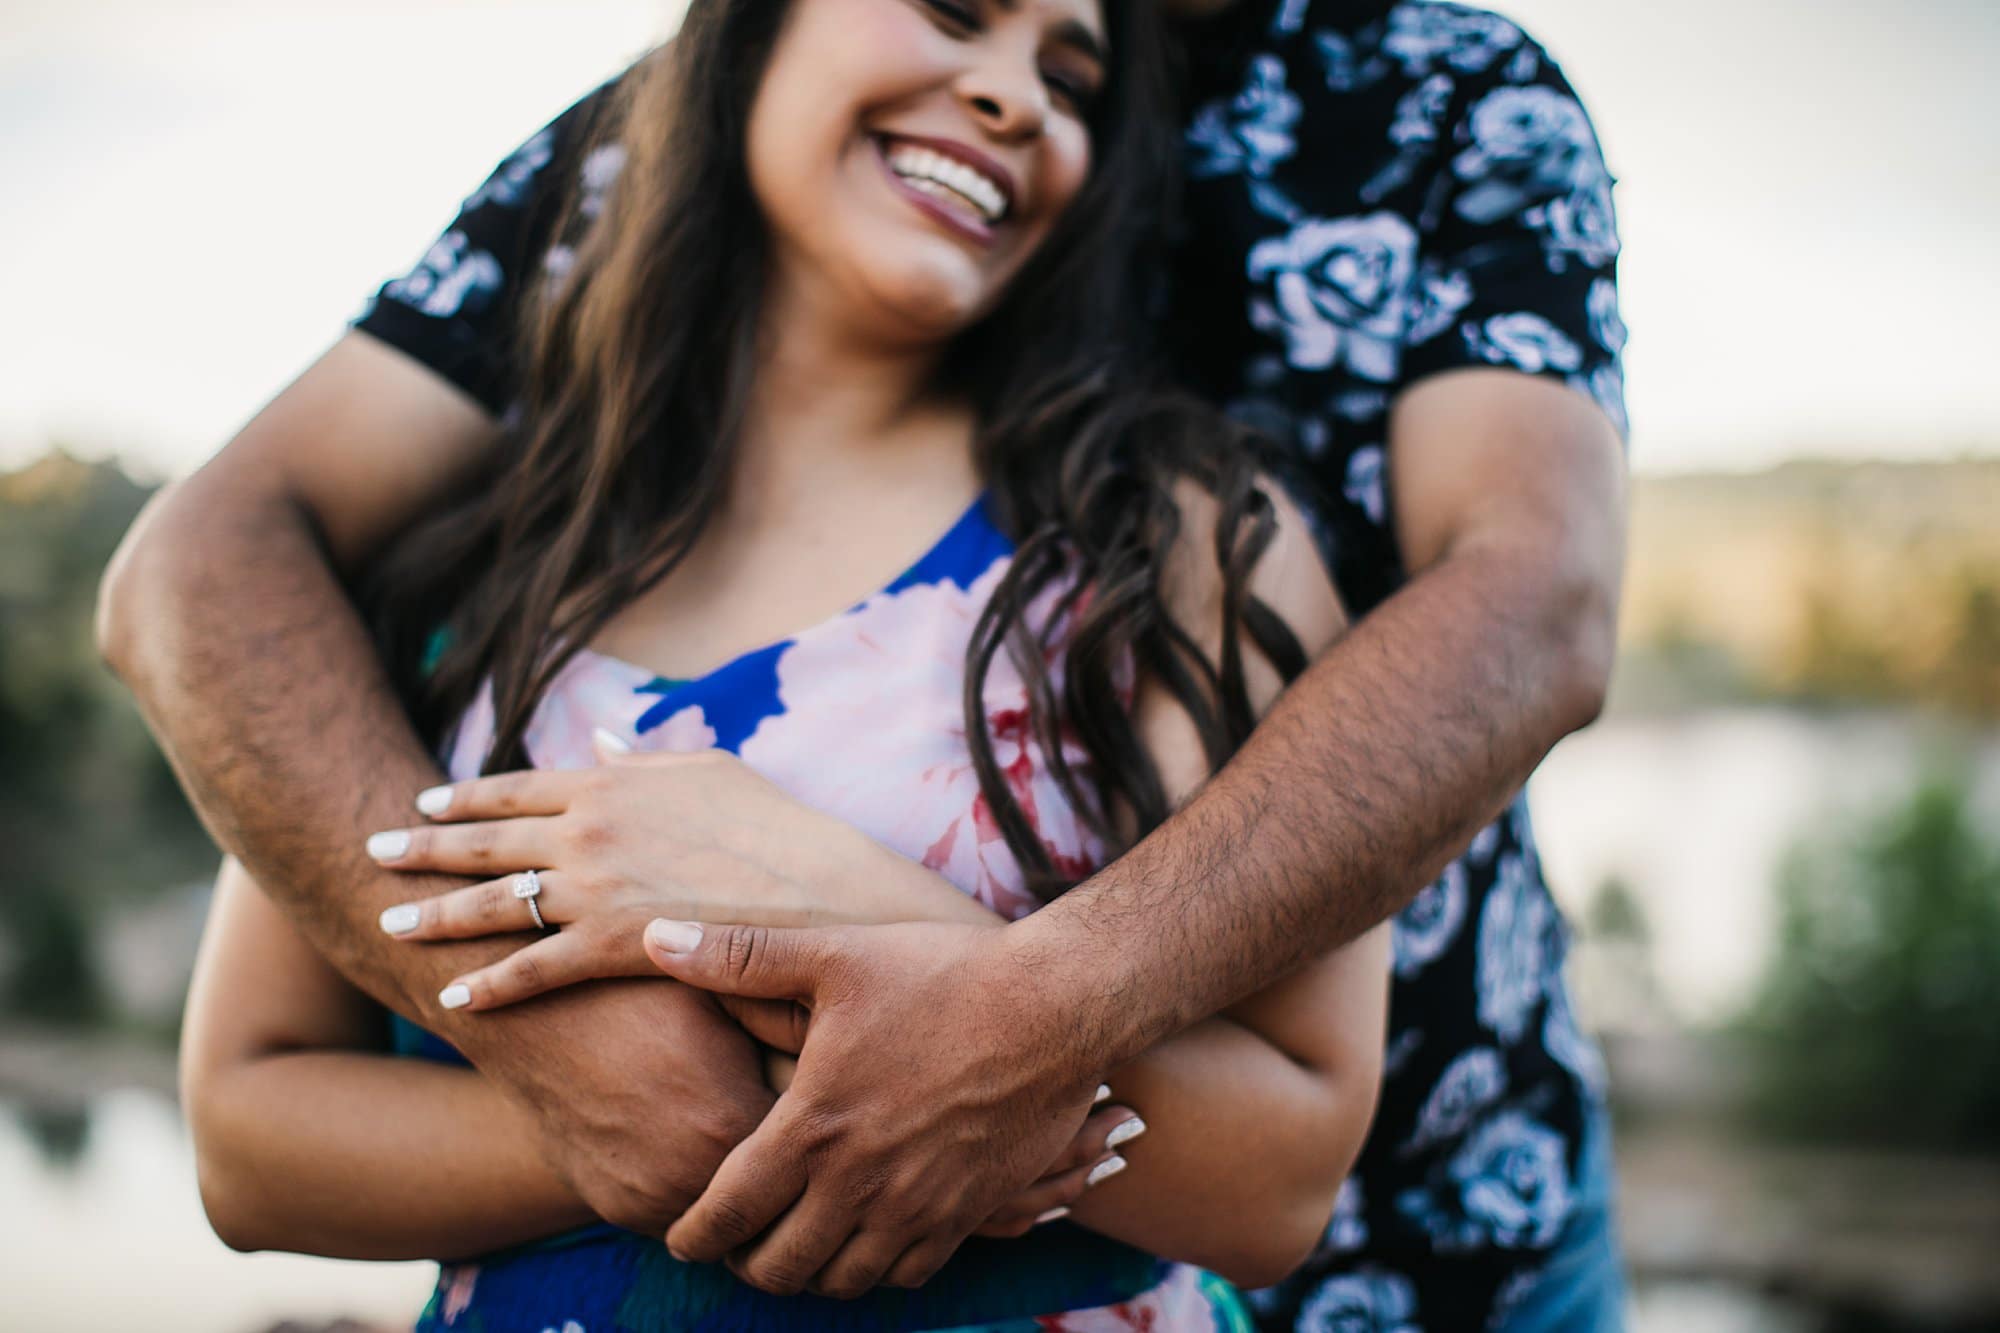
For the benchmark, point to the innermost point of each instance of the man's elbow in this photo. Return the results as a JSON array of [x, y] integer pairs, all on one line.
[[1582, 647], [128, 583]]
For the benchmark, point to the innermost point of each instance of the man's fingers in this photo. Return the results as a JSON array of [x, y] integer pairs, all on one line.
[[1034, 1205], [793, 1251], [548, 964], [920, 1262], [758, 961], [859, 1266], [491, 848], [780, 1024], [496, 907], [533, 791], [757, 1181]]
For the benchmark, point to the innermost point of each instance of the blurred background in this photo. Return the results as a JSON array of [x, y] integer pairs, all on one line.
[[1778, 849]]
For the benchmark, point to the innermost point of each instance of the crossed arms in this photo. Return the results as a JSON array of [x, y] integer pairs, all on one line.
[[1397, 744]]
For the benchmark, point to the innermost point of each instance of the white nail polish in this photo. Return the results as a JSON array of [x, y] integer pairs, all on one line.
[[389, 846], [434, 801], [1125, 1133], [457, 995], [1060, 1210], [615, 744], [1103, 1091], [1104, 1170], [401, 919]]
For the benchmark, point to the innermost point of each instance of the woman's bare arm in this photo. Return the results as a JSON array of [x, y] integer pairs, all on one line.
[[309, 1138]]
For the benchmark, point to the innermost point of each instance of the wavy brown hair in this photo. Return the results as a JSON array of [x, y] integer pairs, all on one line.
[[638, 364]]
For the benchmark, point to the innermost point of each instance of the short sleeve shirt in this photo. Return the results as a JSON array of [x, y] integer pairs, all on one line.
[[1377, 193]]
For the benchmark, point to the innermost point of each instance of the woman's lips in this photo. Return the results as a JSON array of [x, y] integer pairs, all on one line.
[[960, 219]]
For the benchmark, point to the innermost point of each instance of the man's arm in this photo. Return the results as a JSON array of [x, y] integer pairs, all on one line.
[[1372, 769], [224, 613], [1397, 744]]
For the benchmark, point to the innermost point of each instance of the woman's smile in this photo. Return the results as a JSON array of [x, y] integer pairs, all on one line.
[[962, 189]]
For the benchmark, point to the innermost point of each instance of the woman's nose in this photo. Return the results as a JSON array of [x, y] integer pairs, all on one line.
[[1006, 96]]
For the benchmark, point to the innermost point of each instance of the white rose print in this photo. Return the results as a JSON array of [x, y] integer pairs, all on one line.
[[1338, 291], [1528, 145], [452, 276], [1520, 945], [1252, 132], [1424, 37], [1470, 1086], [1427, 927], [1524, 340], [1370, 1301]]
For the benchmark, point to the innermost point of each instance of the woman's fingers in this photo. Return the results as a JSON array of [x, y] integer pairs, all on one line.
[[1105, 1129], [1089, 1154], [548, 964], [503, 795], [491, 848], [497, 907]]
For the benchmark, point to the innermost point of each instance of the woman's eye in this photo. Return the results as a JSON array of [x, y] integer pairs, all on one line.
[[954, 15], [1074, 92]]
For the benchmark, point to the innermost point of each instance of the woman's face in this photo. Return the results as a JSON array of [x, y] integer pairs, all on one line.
[[911, 155]]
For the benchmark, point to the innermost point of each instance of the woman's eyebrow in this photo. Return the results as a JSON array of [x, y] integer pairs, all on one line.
[[1071, 32], [1075, 34]]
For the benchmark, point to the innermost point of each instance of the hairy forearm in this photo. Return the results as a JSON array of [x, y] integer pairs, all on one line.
[[1372, 770], [256, 674], [359, 1156]]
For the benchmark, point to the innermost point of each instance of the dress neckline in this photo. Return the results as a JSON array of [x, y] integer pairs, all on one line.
[[965, 519]]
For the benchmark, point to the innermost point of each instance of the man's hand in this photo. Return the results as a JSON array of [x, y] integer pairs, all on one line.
[[638, 1150], [937, 1083]]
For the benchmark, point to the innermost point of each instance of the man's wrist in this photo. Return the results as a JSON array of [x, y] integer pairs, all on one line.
[[1076, 989]]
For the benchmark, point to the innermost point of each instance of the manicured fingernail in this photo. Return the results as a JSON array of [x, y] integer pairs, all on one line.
[[1125, 1132], [434, 801], [1103, 1091], [674, 936], [389, 846], [457, 995], [401, 919], [1104, 1170], [1060, 1210], [615, 744]]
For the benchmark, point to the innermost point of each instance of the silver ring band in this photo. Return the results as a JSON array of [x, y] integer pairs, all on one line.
[[528, 887]]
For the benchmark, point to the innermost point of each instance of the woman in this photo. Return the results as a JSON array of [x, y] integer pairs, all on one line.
[[862, 280]]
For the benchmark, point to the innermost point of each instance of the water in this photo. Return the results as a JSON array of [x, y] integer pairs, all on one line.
[[107, 1233]]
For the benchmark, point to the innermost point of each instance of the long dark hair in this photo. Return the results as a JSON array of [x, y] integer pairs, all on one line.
[[638, 366]]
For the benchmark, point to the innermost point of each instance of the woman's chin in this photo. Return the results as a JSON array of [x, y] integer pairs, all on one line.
[[928, 306]]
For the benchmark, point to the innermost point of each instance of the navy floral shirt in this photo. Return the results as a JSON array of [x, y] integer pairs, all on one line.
[[1377, 192]]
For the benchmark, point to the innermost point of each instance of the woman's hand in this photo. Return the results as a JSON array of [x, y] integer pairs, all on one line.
[[1090, 1157], [698, 835]]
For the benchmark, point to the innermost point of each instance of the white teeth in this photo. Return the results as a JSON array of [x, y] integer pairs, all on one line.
[[925, 167]]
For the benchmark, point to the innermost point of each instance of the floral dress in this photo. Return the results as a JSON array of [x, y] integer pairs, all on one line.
[[859, 716]]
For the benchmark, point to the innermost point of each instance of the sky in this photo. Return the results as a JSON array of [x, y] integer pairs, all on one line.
[[199, 195]]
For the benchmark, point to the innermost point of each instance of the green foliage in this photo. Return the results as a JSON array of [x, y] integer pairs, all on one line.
[[1877, 1019], [89, 811]]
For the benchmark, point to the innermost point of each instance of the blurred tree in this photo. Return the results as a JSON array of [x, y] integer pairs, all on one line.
[[89, 811], [1876, 1020]]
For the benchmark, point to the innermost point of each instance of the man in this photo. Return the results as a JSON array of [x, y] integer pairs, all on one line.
[[1398, 257]]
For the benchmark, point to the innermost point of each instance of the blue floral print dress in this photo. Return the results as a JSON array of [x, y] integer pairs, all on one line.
[[859, 716]]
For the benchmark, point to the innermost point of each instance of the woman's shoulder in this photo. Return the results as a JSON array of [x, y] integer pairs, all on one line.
[[1289, 576]]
